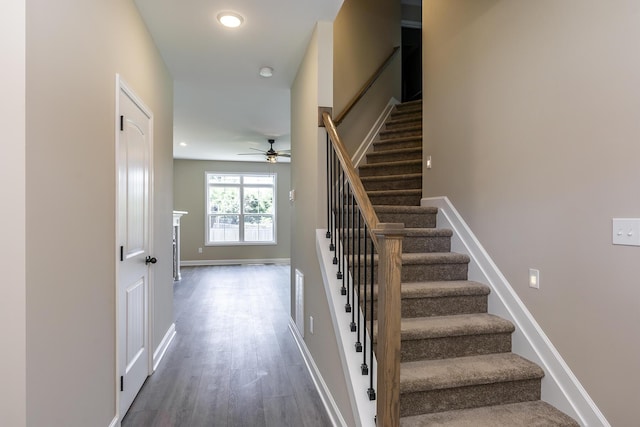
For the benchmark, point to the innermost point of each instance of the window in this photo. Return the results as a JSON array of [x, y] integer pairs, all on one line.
[[240, 208]]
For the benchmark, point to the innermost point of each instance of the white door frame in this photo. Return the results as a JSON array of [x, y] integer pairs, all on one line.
[[121, 85]]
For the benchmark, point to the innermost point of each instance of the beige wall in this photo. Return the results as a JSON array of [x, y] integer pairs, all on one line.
[[532, 120], [189, 195], [12, 214], [74, 50], [312, 88], [364, 34]]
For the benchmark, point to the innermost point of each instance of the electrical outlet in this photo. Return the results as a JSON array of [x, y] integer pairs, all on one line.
[[311, 324], [534, 278], [428, 162], [199, 250]]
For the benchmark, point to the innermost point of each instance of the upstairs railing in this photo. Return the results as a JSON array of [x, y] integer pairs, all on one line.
[[366, 252]]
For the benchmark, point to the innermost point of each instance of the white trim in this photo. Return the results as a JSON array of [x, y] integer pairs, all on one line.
[[115, 422], [364, 410], [560, 387], [365, 146], [323, 390], [163, 346], [199, 262]]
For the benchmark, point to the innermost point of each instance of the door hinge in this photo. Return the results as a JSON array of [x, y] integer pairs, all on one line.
[[121, 253], [121, 122], [121, 383]]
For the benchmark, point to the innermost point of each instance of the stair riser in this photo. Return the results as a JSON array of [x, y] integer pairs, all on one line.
[[383, 170], [409, 220], [442, 306], [407, 109], [400, 133], [456, 346], [394, 145], [396, 184], [415, 114], [408, 200], [393, 157], [469, 397]]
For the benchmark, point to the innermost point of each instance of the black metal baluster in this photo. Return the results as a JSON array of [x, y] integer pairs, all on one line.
[[364, 368], [353, 262], [371, 392], [359, 310], [347, 246], [340, 237], [334, 192], [328, 235]]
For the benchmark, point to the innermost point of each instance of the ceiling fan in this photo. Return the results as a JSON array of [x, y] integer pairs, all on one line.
[[271, 154]]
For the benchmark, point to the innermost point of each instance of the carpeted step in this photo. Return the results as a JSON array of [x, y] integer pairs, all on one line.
[[429, 386], [391, 168], [394, 155], [418, 267], [411, 216], [409, 106], [403, 120], [442, 337], [529, 414], [410, 130], [392, 143], [392, 182], [410, 197], [416, 239], [439, 298], [415, 114]]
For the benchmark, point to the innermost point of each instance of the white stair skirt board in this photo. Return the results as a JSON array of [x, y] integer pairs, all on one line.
[[560, 387], [364, 410], [163, 346], [114, 422], [299, 298], [366, 144], [285, 261], [318, 381]]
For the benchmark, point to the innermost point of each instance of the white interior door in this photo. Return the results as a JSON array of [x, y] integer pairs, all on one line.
[[134, 159]]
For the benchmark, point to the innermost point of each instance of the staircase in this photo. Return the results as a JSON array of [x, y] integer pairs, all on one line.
[[457, 368]]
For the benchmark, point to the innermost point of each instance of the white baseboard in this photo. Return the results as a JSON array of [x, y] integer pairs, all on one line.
[[373, 133], [163, 346], [560, 387], [203, 262], [325, 394], [115, 422], [364, 410]]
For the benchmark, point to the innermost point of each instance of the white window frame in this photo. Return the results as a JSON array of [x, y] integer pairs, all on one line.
[[241, 215]]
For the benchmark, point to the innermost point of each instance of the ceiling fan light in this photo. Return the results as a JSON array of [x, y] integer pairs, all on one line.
[[271, 158], [230, 19]]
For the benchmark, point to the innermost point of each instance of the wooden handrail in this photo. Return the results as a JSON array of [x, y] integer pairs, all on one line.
[[366, 208], [365, 88]]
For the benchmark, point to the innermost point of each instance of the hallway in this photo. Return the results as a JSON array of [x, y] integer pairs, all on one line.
[[233, 361]]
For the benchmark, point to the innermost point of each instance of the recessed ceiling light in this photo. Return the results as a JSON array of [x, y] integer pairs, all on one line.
[[230, 19], [266, 71], [183, 144]]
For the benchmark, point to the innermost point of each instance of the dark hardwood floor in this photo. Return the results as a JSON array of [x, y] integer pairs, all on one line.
[[233, 361]]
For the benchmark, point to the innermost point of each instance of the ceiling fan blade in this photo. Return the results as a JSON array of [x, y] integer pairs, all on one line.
[[256, 149], [284, 151], [284, 155], [250, 154]]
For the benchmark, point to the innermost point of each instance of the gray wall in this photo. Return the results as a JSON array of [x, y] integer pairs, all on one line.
[[364, 34], [74, 50], [12, 215], [532, 120], [189, 195], [312, 88]]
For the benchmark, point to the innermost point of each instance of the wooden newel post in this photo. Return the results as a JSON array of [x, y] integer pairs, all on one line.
[[388, 344]]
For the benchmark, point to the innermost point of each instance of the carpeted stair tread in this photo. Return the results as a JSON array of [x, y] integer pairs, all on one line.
[[434, 258], [459, 325], [400, 177], [529, 414], [451, 326], [411, 191], [389, 164], [404, 130], [405, 209], [440, 289], [410, 153], [389, 141], [416, 232], [438, 374]]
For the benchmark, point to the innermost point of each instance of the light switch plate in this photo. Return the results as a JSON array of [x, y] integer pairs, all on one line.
[[626, 231]]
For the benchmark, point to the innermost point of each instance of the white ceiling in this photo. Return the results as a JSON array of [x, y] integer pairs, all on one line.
[[222, 107]]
